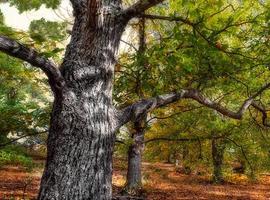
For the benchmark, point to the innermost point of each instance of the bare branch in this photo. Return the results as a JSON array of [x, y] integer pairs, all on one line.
[[16, 139], [220, 11], [15, 49], [137, 109], [129, 44], [168, 18], [174, 114], [193, 138], [182, 139]]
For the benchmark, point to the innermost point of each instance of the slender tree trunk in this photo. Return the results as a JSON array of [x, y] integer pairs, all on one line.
[[83, 121], [185, 152], [170, 157], [185, 155], [218, 147], [200, 156], [134, 173]]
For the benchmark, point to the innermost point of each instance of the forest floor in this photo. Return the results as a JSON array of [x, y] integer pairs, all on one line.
[[160, 180]]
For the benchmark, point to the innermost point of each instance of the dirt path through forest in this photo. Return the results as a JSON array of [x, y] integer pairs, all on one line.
[[161, 183]]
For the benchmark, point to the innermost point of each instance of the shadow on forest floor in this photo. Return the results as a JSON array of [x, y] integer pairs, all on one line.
[[161, 183], [166, 184]]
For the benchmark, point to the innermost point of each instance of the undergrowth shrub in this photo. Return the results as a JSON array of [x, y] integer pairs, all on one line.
[[15, 155]]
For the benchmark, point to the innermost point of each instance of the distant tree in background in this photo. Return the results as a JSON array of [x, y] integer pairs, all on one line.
[[213, 49]]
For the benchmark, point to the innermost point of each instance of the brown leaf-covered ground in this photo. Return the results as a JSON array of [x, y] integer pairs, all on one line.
[[161, 183]]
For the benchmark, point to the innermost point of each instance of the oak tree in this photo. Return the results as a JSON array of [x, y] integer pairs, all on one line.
[[83, 119]]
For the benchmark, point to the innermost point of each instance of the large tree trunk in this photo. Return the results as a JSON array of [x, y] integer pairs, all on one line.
[[218, 147], [134, 173], [83, 121]]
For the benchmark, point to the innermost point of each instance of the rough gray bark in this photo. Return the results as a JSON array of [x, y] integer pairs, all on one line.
[[218, 148], [134, 172], [83, 121]]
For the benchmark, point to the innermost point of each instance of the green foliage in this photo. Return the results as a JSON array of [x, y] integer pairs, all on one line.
[[15, 155], [24, 93], [209, 46], [48, 36], [221, 50], [42, 30], [25, 5], [21, 97]]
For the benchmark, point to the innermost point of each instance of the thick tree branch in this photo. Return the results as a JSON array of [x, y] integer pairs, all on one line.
[[134, 111], [15, 49], [139, 7], [261, 109]]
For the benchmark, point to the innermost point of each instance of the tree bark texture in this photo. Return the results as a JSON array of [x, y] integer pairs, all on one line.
[[218, 148], [83, 120], [135, 151]]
